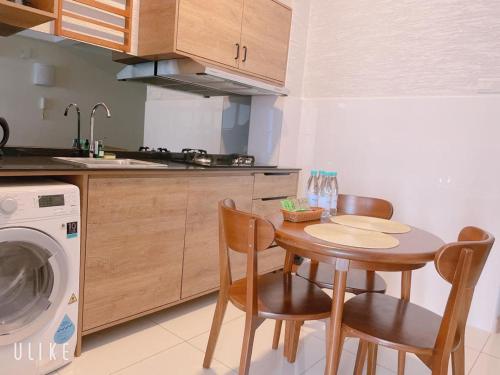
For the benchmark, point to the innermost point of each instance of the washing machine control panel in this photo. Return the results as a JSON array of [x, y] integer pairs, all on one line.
[[22, 204]]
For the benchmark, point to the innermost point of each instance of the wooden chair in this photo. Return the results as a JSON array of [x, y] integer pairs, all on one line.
[[358, 281], [378, 319], [279, 295]]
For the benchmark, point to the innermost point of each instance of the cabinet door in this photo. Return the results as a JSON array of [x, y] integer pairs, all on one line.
[[135, 240], [201, 253], [95, 22], [265, 38], [210, 29]]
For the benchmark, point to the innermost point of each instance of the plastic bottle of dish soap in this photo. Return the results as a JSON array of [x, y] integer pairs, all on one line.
[[325, 194], [313, 189]]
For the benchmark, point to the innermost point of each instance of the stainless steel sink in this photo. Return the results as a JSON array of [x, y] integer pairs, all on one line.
[[112, 163]]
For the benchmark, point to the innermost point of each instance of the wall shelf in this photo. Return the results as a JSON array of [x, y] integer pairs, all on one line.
[[16, 17]]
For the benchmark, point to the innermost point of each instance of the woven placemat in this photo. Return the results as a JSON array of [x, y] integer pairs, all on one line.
[[352, 237], [371, 223]]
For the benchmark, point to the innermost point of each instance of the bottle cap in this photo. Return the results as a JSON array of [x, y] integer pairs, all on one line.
[[314, 172], [334, 174], [322, 173]]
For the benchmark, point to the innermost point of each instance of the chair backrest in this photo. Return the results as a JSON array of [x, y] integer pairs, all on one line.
[[366, 206], [236, 226], [244, 233], [460, 263]]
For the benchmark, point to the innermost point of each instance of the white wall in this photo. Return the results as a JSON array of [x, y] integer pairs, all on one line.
[[433, 158], [389, 99], [400, 48], [82, 76]]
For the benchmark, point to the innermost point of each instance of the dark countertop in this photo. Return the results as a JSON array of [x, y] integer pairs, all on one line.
[[48, 164]]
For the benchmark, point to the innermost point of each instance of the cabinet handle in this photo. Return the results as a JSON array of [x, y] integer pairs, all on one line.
[[274, 198], [237, 51], [277, 174], [245, 53]]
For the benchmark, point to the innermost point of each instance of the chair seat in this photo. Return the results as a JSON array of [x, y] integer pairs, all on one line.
[[284, 296], [357, 280], [400, 325]]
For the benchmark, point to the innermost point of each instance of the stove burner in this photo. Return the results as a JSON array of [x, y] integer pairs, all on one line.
[[149, 149], [243, 160], [193, 151]]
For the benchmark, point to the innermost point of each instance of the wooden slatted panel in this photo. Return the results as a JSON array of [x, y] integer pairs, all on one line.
[[105, 23]]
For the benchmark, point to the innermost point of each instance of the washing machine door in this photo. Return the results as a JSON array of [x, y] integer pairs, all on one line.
[[33, 280]]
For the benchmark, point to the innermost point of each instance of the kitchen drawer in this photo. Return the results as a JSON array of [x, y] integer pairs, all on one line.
[[275, 184]]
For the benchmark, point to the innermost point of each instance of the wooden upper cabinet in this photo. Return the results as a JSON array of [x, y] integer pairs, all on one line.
[[210, 29], [16, 17], [213, 30], [103, 23], [265, 38]]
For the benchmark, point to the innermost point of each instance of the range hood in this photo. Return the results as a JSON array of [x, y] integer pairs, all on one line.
[[191, 76]]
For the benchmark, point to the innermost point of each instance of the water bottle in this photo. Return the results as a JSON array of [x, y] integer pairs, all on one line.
[[321, 181], [313, 189], [335, 194], [325, 194]]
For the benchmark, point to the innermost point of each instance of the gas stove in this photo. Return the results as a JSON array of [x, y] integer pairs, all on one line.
[[204, 159]]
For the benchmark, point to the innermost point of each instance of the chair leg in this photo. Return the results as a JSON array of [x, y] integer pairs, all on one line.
[[327, 336], [458, 360], [220, 311], [372, 359], [360, 357], [277, 334], [341, 348], [401, 362], [293, 338], [251, 325]]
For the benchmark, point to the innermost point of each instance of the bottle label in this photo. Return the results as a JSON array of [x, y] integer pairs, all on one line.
[[312, 199], [324, 203]]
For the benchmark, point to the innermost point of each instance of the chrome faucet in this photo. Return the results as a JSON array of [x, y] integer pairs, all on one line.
[[78, 144], [92, 115]]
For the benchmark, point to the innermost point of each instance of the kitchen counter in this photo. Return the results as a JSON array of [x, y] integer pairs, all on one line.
[[38, 165]]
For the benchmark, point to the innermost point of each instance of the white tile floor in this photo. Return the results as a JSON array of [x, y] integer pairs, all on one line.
[[173, 342]]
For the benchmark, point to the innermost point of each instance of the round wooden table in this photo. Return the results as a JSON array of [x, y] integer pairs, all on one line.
[[416, 248]]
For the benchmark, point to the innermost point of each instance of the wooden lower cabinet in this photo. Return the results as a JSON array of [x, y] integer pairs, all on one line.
[[201, 253], [134, 249], [154, 241]]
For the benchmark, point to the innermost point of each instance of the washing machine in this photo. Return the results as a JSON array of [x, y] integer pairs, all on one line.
[[39, 275]]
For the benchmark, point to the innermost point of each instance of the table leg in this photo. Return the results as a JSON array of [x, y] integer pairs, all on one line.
[[335, 326], [405, 296], [277, 329]]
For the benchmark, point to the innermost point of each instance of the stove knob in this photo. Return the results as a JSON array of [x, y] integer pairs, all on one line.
[[8, 205]]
